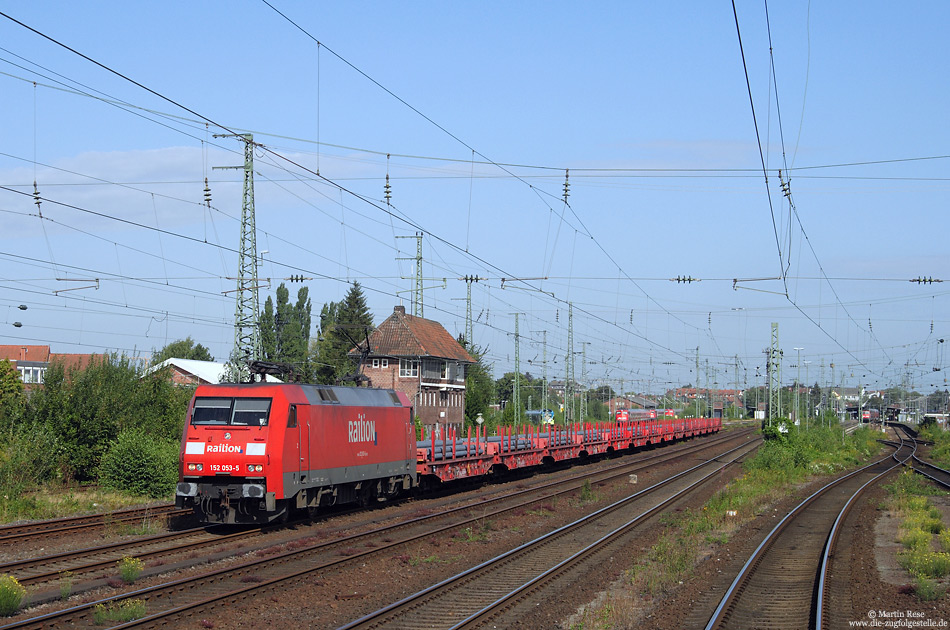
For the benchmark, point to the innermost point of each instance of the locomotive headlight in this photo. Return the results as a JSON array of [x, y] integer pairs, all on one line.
[[193, 467], [255, 468]]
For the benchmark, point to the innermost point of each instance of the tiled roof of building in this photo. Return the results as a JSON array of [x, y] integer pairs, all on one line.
[[75, 361], [402, 335], [206, 371], [42, 354], [25, 353]]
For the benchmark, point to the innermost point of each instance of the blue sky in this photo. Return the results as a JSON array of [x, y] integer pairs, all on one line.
[[645, 104]]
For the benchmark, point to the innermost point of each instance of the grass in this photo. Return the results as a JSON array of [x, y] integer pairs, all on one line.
[[587, 493], [415, 561], [148, 526], [66, 584], [54, 501], [477, 533], [940, 451], [784, 462], [118, 612], [925, 539], [11, 595], [130, 568]]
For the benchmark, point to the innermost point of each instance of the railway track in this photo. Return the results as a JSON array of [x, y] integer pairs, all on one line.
[[785, 583], [22, 532], [483, 593], [184, 596], [936, 474], [80, 562], [99, 562]]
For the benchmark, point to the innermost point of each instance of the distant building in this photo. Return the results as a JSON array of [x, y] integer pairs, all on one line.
[[33, 361], [420, 358], [854, 394], [718, 397], [631, 402], [189, 372]]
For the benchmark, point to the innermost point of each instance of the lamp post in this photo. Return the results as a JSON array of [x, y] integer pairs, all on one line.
[[798, 381], [807, 395]]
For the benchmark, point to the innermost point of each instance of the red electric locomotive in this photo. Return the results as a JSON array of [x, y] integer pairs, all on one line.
[[254, 453]]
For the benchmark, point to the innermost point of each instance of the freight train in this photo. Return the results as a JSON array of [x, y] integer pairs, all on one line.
[[260, 452]]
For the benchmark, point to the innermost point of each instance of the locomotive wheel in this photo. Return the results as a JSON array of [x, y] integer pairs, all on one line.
[[367, 492]]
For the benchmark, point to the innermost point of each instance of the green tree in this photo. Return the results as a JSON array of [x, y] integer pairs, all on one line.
[[343, 326], [268, 324], [140, 464], [182, 349], [85, 409], [937, 402], [11, 396], [285, 328], [479, 386]]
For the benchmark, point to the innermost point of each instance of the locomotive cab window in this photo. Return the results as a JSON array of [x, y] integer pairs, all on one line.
[[231, 411], [251, 411], [211, 411]]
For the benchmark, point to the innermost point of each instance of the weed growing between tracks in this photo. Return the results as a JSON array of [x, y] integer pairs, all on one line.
[[130, 568], [586, 494], [783, 463], [56, 502], [11, 595], [66, 584], [119, 612], [926, 541]]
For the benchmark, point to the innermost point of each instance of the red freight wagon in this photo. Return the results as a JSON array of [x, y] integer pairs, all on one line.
[[256, 452]]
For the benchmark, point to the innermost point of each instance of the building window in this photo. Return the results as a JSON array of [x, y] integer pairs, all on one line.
[[31, 374], [445, 370], [375, 364], [408, 368], [384, 363]]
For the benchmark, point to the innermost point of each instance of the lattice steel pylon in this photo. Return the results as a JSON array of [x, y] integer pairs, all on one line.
[[247, 338], [469, 328], [569, 367], [774, 368], [584, 382], [417, 279], [516, 394]]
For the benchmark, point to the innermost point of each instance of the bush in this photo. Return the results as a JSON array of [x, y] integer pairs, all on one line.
[[118, 612], [11, 595], [27, 459], [130, 568], [140, 464], [87, 408]]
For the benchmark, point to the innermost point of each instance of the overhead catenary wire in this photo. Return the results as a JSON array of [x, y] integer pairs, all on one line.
[[351, 227]]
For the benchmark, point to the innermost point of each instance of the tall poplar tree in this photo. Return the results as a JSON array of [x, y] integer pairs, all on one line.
[[343, 326], [285, 328]]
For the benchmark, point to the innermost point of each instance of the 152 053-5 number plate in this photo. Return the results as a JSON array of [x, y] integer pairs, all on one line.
[[230, 468]]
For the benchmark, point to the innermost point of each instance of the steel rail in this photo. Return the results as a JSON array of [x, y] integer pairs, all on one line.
[[417, 600], [747, 569], [84, 610], [74, 523], [833, 537], [86, 567]]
